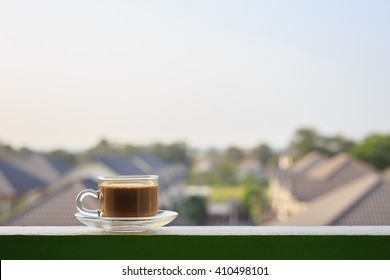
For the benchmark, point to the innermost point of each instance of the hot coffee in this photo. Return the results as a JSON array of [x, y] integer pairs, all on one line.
[[131, 201], [123, 196]]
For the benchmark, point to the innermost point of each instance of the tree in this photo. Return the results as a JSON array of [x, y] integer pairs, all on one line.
[[24, 151], [306, 140], [63, 156], [255, 201], [6, 151], [129, 149], [375, 150], [175, 152], [223, 173], [195, 210], [233, 154], [101, 148], [263, 154], [335, 144]]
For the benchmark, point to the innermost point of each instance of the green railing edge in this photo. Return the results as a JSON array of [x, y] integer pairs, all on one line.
[[195, 247]]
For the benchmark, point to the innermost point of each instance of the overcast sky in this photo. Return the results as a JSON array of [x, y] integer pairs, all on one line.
[[211, 73]]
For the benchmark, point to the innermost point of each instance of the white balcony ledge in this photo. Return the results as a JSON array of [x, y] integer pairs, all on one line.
[[206, 230], [81, 242]]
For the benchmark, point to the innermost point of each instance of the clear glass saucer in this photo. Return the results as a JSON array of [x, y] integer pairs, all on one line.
[[135, 224]]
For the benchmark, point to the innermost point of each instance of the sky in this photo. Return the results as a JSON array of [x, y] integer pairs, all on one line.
[[210, 73]]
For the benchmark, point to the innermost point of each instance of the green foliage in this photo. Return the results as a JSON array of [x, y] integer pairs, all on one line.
[[224, 170], [102, 148], [195, 210], [64, 156], [7, 151], [337, 144], [175, 152], [227, 192], [306, 140], [262, 153], [223, 173], [233, 154], [255, 200], [375, 150], [24, 151], [198, 178]]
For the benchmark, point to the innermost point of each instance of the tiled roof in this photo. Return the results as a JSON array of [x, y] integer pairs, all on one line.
[[154, 162], [373, 208], [60, 166], [171, 175], [308, 162], [139, 164], [328, 208], [324, 177], [89, 183], [121, 165], [57, 205], [144, 163], [386, 174], [55, 209], [340, 191], [40, 166], [329, 168], [6, 189], [18, 179]]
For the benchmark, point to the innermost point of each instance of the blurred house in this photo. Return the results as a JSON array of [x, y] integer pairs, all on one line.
[[55, 208], [22, 178], [217, 213], [285, 160], [223, 213], [250, 167], [42, 167], [326, 176], [337, 191], [203, 164], [16, 185], [171, 176], [309, 162], [200, 191], [372, 207], [56, 204]]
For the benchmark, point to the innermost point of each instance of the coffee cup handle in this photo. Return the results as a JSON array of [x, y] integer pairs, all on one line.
[[79, 202]]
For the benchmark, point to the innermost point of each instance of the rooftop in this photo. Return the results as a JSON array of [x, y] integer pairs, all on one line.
[[14, 180], [54, 208]]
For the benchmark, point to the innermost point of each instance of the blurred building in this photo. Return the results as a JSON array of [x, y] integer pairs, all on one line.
[[43, 167], [54, 208], [250, 167], [340, 190], [223, 213], [55, 205], [23, 178]]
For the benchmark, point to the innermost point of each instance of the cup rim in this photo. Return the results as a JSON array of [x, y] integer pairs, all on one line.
[[127, 177]]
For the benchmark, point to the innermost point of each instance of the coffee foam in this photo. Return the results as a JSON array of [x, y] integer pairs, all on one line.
[[127, 185]]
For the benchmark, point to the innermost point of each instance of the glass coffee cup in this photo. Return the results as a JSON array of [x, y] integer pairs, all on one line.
[[123, 196]]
